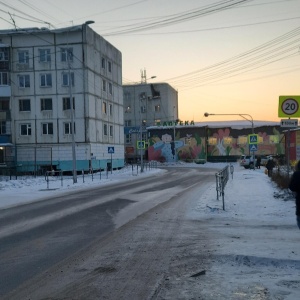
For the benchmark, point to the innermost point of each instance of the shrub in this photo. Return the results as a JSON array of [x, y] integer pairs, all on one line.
[[281, 179]]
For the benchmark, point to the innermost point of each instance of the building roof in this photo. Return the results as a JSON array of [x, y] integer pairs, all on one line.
[[39, 30], [234, 124]]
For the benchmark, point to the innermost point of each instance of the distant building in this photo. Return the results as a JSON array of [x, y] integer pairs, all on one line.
[[40, 71], [146, 105], [292, 145]]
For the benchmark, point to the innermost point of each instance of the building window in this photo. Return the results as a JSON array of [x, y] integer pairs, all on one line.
[[126, 97], [110, 89], [4, 54], [67, 103], [242, 140], [143, 96], [3, 78], [66, 79], [103, 85], [66, 54], [68, 128], [45, 55], [127, 123], [2, 127], [111, 130], [46, 104], [110, 107], [128, 109], [109, 66], [4, 104], [143, 109], [24, 81], [23, 57], [24, 105], [103, 64], [128, 138], [46, 80], [157, 108], [104, 107], [105, 129], [273, 139], [25, 129], [212, 141], [47, 128]]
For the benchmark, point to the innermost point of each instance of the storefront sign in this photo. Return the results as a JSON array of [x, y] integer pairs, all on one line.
[[134, 130], [175, 123]]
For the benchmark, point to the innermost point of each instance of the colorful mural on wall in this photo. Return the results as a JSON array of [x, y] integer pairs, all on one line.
[[190, 143]]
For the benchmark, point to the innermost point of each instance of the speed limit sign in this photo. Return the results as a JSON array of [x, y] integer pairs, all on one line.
[[289, 106]]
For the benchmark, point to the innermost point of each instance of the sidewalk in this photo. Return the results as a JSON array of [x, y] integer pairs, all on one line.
[[255, 242]]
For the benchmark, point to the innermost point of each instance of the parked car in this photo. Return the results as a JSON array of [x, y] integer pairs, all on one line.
[[246, 163]]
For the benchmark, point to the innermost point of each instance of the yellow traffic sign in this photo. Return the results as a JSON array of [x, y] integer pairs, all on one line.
[[141, 144], [252, 139], [289, 106]]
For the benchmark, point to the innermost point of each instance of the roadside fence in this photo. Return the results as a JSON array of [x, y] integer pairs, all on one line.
[[54, 176], [221, 180]]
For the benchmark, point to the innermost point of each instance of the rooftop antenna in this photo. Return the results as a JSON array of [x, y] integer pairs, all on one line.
[[143, 76], [13, 20]]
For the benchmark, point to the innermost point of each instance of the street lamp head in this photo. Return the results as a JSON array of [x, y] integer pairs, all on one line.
[[152, 77], [206, 114], [89, 22]]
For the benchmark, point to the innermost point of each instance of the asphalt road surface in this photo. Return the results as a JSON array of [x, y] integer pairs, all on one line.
[[112, 242]]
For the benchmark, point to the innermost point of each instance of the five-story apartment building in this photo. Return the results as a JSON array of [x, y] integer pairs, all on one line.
[[45, 77]]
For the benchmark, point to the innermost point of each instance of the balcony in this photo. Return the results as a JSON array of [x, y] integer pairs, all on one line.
[[5, 90]]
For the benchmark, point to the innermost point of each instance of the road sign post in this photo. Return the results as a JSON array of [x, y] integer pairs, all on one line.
[[253, 147], [289, 123], [252, 142], [111, 150], [289, 107], [252, 139]]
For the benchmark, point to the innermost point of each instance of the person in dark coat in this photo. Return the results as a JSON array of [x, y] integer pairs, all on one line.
[[270, 165], [295, 187], [258, 162]]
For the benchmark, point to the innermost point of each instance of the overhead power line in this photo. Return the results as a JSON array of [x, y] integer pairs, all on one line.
[[179, 18], [280, 48]]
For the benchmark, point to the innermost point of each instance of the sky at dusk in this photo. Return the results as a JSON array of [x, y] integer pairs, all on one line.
[[223, 56]]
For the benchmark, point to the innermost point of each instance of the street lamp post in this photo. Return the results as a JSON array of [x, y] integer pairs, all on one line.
[[143, 80], [241, 115]]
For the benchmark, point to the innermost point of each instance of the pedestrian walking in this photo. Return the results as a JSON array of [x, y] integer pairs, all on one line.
[[270, 166], [251, 162], [258, 162], [295, 187]]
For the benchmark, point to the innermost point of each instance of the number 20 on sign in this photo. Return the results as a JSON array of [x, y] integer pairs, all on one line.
[[289, 106]]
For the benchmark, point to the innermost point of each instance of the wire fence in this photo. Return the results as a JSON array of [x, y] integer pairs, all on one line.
[[221, 180]]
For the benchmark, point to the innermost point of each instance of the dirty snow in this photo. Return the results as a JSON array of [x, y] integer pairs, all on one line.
[[256, 242]]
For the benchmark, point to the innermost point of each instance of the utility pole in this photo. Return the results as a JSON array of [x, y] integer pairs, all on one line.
[[72, 119]]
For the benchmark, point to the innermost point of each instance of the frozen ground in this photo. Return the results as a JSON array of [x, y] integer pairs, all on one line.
[[255, 243]]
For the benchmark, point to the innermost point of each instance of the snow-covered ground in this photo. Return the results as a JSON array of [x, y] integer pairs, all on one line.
[[256, 247]]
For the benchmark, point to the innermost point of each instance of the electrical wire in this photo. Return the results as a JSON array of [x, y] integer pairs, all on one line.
[[270, 52], [23, 13], [179, 18]]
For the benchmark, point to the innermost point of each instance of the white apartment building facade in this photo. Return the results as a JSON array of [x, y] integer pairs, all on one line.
[[146, 105], [42, 74]]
